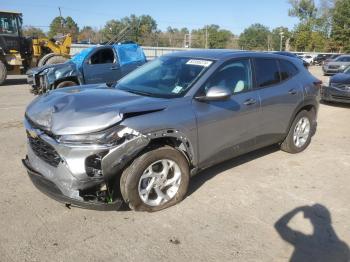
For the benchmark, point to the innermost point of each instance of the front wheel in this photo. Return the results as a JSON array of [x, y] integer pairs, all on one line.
[[155, 180], [299, 135], [66, 84]]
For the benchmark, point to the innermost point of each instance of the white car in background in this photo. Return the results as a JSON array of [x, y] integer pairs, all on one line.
[[307, 58]]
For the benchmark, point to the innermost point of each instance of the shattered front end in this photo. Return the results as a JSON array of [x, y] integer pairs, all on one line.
[[81, 170]]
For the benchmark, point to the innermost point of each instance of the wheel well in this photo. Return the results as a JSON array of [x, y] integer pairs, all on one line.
[[71, 78], [172, 142], [309, 108]]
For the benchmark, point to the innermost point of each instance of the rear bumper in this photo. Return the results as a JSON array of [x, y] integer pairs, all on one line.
[[50, 189], [335, 95]]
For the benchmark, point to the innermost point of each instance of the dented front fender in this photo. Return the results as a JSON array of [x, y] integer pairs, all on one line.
[[118, 157]]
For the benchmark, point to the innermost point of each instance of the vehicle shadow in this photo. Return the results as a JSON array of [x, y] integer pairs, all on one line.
[[335, 104], [198, 180], [322, 245], [15, 81]]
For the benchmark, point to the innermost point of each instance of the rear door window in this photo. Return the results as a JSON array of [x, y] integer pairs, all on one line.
[[287, 69], [267, 72]]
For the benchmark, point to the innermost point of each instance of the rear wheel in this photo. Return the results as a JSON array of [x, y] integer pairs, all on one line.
[[66, 84], [155, 180], [3, 73], [299, 135], [44, 59]]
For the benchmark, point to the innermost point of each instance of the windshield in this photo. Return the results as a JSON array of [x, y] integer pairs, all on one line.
[[347, 71], [165, 77], [8, 24]]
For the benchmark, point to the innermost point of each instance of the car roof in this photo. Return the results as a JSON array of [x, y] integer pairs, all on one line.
[[221, 54]]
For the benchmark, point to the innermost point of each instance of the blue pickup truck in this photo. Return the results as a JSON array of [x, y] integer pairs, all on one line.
[[98, 64]]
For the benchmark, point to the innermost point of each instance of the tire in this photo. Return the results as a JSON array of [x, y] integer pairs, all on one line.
[[56, 59], [3, 73], [289, 144], [44, 59], [131, 179], [66, 84]]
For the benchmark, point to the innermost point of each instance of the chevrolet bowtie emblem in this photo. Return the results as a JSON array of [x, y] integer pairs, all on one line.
[[32, 133]]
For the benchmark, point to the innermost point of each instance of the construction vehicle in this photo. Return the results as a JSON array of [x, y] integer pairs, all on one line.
[[18, 53]]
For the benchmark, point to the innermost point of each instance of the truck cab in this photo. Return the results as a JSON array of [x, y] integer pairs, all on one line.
[[15, 50], [98, 64]]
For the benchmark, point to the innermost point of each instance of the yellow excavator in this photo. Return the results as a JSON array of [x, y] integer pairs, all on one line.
[[18, 53]]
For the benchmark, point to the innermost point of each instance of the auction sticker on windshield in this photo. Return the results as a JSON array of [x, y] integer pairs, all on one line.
[[197, 62], [177, 89]]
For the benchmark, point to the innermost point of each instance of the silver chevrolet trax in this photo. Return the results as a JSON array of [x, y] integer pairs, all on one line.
[[141, 140]]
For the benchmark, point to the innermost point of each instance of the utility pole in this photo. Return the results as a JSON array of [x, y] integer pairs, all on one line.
[[206, 37], [61, 19], [281, 39], [188, 40]]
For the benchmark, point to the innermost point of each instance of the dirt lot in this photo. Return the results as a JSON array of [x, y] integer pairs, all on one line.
[[229, 214]]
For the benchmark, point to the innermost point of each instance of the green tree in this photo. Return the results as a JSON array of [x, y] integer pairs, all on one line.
[[305, 10], [212, 36], [317, 42], [31, 31], [62, 26], [141, 29], [301, 37], [276, 37], [255, 37], [341, 25], [313, 31], [87, 33], [173, 37]]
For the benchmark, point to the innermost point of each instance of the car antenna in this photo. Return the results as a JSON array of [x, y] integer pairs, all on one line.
[[120, 36]]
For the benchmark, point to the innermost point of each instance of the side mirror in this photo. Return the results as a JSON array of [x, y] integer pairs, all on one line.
[[216, 93]]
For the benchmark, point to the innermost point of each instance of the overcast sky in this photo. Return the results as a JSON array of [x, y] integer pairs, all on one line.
[[234, 15]]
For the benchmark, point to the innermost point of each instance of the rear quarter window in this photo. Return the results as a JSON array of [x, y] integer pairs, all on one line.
[[267, 72], [287, 69]]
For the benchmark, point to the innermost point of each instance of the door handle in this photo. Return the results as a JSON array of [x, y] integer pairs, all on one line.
[[292, 92], [249, 102]]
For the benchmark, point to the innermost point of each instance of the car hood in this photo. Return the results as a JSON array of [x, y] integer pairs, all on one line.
[[341, 78], [89, 108], [37, 70]]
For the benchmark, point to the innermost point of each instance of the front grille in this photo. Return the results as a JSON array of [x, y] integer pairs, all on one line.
[[338, 85], [333, 66], [345, 87], [43, 150]]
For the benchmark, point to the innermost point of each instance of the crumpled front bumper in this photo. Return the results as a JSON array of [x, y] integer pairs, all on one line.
[[335, 95], [67, 178], [50, 189]]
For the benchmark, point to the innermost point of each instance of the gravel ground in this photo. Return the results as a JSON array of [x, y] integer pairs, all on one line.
[[229, 214]]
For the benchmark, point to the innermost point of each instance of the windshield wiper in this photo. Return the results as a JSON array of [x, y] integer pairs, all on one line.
[[138, 92]]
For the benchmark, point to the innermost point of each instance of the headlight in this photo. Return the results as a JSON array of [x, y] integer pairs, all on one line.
[[58, 74], [109, 137], [46, 70]]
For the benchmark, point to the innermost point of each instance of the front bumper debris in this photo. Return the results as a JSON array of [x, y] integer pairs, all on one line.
[[50, 189], [71, 175]]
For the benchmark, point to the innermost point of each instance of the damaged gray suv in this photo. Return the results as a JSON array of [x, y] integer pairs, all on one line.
[[140, 140]]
